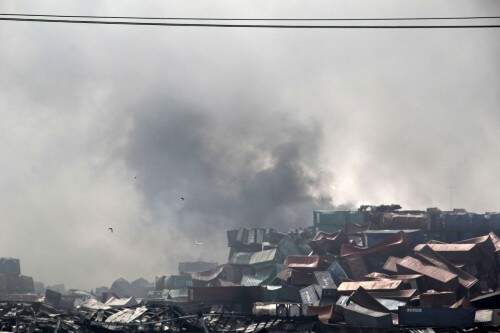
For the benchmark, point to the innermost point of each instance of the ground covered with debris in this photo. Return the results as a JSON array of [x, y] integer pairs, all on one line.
[[375, 269]]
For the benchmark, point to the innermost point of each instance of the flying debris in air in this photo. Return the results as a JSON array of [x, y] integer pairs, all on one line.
[[197, 243], [110, 229]]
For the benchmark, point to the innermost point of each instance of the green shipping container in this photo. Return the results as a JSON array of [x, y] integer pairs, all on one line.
[[334, 220]]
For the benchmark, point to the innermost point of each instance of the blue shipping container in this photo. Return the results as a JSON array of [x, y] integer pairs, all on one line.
[[436, 317]]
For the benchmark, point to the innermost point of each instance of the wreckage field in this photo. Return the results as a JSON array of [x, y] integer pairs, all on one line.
[[375, 269]]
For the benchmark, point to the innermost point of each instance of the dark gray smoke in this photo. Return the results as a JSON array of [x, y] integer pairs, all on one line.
[[257, 167]]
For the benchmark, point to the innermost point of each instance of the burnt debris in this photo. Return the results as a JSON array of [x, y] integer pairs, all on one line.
[[375, 269]]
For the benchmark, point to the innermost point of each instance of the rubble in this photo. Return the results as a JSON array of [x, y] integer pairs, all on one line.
[[379, 268]]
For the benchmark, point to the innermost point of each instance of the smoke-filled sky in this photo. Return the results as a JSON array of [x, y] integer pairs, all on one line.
[[108, 126]]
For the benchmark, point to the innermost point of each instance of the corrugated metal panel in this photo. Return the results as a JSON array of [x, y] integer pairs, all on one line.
[[362, 298], [356, 267], [337, 218], [391, 304], [309, 295], [405, 221], [403, 295], [330, 219], [127, 315], [358, 316], [208, 275], [459, 253], [465, 279], [340, 304], [287, 247], [438, 278], [232, 237], [485, 256], [375, 237], [413, 280], [343, 300], [338, 273], [302, 262], [446, 247], [377, 276], [259, 235], [242, 236], [347, 287], [253, 258], [261, 276], [327, 295], [406, 277], [496, 241], [251, 237], [121, 302], [390, 264], [326, 287], [263, 256], [93, 304], [325, 280], [391, 245], [324, 242], [241, 258]]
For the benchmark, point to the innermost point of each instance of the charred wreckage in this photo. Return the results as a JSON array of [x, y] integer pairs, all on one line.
[[375, 269]]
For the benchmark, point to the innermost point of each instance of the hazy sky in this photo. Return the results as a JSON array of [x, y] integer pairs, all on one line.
[[110, 125]]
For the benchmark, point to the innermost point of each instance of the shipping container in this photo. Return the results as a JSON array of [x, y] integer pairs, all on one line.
[[309, 295], [374, 237], [358, 316], [436, 317], [334, 220]]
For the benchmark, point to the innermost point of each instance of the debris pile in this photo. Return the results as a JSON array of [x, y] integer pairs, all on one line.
[[379, 268], [36, 316]]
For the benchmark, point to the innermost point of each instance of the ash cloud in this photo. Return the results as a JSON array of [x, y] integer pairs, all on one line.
[[260, 171]]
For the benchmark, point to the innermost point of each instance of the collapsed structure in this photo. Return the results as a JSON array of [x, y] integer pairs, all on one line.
[[378, 268]]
